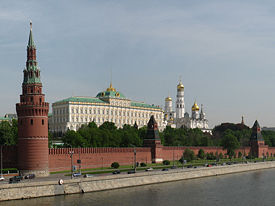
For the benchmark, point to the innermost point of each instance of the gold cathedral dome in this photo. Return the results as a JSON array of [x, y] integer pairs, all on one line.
[[195, 107], [180, 86], [111, 88], [167, 99]]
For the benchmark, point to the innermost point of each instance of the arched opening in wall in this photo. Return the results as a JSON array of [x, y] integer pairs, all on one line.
[[40, 100], [42, 121], [31, 99], [31, 121]]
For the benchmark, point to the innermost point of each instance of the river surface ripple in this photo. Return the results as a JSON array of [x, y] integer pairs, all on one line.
[[250, 188]]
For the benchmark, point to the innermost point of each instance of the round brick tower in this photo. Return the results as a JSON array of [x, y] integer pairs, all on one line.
[[32, 114]]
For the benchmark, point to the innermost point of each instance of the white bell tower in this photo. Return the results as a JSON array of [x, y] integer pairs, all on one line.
[[180, 108]]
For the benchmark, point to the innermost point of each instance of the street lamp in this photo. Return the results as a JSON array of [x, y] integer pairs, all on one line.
[[1, 162], [135, 159], [71, 155]]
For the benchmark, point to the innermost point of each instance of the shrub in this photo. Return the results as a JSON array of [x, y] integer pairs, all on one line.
[[210, 156], [240, 155], [201, 154], [188, 155], [166, 162], [143, 164], [221, 156], [115, 165]]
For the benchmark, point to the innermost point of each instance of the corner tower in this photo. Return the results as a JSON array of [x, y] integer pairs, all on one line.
[[32, 114]]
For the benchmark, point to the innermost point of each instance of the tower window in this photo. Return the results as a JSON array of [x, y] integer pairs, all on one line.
[[40, 100], [31, 99], [31, 121], [42, 121]]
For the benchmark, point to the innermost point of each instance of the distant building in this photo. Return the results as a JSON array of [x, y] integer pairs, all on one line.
[[110, 105], [180, 118], [8, 117]]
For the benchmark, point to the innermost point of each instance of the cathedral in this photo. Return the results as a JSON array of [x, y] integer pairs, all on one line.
[[180, 118]]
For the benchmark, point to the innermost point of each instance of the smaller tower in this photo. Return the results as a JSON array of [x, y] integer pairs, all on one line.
[[258, 147], [168, 109], [195, 111], [168, 104], [152, 140], [202, 114], [242, 120], [180, 108]]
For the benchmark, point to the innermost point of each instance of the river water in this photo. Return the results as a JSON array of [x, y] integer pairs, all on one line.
[[251, 188]]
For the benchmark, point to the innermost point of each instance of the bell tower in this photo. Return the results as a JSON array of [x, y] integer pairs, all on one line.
[[32, 112]]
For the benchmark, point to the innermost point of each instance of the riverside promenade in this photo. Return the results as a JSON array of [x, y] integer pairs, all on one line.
[[83, 185]]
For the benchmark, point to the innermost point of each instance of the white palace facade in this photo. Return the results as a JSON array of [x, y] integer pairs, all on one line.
[[110, 105]]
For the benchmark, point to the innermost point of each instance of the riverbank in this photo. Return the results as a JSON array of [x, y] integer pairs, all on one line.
[[82, 185]]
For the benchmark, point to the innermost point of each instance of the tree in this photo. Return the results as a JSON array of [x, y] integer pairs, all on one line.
[[201, 154], [240, 154], [188, 155], [230, 143]]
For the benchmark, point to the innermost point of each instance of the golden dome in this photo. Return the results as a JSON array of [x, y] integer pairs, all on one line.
[[167, 99], [180, 86], [195, 107], [111, 88]]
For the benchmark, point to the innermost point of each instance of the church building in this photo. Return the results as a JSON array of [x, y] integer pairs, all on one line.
[[180, 118]]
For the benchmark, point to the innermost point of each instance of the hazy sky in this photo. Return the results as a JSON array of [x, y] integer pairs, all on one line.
[[223, 50]]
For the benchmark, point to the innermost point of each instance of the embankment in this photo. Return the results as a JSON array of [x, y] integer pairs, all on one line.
[[80, 185]]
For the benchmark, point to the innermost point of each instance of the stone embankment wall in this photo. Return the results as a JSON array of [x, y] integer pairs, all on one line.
[[51, 188]]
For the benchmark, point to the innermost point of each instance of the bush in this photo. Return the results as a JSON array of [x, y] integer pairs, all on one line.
[[201, 154], [210, 156], [240, 155], [221, 156], [166, 162], [143, 164], [115, 165], [188, 155]]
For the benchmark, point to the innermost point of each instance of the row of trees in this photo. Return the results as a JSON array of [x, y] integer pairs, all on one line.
[[229, 136]]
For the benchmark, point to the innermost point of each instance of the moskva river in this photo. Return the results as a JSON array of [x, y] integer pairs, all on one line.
[[249, 189]]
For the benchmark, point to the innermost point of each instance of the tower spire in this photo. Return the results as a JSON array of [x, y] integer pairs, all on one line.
[[31, 42]]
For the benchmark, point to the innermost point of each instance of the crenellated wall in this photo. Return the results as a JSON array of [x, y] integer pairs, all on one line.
[[59, 159]]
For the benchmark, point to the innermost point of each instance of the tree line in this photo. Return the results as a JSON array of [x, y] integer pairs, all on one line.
[[227, 135]]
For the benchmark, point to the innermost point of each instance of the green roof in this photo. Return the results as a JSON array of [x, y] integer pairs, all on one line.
[[5, 119], [81, 99], [142, 104], [111, 94], [97, 100]]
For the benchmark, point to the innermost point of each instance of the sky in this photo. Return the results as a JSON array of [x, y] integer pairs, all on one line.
[[224, 52]]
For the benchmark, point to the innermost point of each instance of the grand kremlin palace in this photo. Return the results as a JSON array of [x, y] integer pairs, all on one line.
[[110, 105]]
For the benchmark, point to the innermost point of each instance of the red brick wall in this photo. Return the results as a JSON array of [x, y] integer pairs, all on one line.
[[59, 159], [9, 156]]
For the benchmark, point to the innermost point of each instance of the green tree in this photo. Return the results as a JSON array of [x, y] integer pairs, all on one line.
[[230, 143], [188, 155], [201, 154]]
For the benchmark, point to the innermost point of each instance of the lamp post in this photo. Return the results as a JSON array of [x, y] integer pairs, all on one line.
[[71, 155], [135, 159], [1, 161]]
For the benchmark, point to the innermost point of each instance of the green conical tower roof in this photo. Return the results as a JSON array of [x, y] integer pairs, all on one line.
[[32, 72]]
